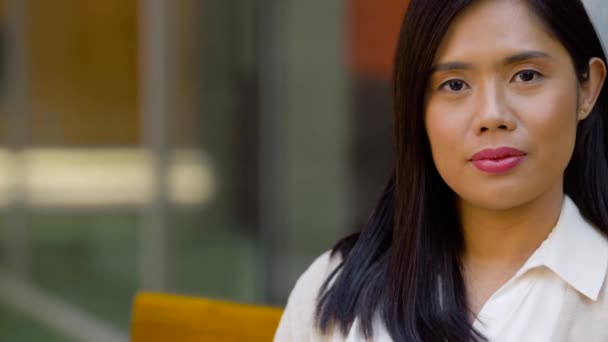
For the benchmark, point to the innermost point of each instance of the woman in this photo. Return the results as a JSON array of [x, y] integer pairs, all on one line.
[[494, 225]]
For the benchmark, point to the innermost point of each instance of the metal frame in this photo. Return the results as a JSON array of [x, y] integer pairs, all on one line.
[[18, 113], [272, 182], [155, 95]]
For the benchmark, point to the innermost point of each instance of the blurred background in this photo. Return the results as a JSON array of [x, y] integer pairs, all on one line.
[[212, 148]]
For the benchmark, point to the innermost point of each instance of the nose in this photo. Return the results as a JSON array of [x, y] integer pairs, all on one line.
[[493, 112]]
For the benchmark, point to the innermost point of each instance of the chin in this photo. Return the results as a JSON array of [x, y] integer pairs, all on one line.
[[497, 199]]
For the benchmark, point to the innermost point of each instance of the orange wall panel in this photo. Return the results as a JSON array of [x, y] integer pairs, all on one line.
[[374, 28], [82, 71]]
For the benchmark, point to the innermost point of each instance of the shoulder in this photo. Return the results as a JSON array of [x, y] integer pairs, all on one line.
[[297, 322], [583, 318], [306, 289], [316, 274]]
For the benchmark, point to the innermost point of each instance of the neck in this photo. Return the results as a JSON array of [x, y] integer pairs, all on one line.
[[508, 237]]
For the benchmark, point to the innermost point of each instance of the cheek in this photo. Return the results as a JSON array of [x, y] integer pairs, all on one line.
[[550, 123], [446, 130], [550, 118]]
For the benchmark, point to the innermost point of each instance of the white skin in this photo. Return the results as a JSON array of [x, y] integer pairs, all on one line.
[[533, 103]]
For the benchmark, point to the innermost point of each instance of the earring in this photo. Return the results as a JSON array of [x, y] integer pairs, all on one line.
[[581, 113]]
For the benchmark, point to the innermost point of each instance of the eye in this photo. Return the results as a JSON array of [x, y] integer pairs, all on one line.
[[454, 85], [527, 76]]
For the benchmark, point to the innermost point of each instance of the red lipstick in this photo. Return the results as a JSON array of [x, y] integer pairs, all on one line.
[[497, 160]]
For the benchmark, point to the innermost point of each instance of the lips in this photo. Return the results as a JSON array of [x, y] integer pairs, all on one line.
[[498, 160]]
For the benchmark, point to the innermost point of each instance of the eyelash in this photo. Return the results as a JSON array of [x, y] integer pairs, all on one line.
[[534, 72]]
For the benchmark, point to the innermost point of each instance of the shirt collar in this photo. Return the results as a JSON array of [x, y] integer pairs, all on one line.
[[575, 250]]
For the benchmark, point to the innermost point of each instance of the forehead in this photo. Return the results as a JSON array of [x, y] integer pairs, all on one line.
[[494, 28]]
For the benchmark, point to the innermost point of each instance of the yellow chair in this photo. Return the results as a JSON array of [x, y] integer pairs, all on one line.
[[169, 318]]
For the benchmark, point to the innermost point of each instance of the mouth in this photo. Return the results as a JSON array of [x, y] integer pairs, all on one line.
[[496, 161]]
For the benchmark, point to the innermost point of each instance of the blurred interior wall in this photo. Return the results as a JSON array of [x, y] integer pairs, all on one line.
[[82, 64], [373, 33], [318, 128], [598, 11]]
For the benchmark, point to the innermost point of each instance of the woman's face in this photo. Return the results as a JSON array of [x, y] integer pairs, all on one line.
[[502, 106]]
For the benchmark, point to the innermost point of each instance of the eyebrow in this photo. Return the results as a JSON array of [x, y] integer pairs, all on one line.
[[526, 55]]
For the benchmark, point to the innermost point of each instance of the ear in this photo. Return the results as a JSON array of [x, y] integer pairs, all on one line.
[[591, 87]]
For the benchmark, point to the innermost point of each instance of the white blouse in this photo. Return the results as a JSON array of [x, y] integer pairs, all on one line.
[[525, 308]]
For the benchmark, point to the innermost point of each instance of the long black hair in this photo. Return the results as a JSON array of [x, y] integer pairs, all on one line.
[[404, 267]]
